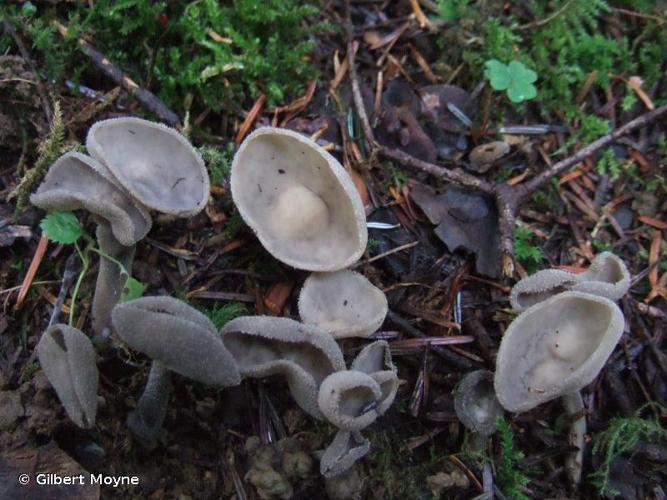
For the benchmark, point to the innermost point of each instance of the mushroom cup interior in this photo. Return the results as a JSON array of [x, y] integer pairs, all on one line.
[[539, 287], [153, 162], [555, 347], [476, 403], [253, 351], [299, 200], [343, 303]]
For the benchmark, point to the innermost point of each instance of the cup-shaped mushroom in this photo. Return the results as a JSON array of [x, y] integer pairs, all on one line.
[[177, 335], [607, 276], [343, 303], [539, 287], [76, 181], [299, 200], [375, 360], [476, 404], [348, 399], [555, 347], [345, 449], [68, 360], [153, 162], [266, 345]]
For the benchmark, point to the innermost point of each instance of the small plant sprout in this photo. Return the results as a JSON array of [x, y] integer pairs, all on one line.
[[299, 200], [68, 360], [343, 303], [514, 78], [177, 338]]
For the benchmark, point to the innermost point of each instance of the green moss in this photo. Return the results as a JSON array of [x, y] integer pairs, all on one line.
[[222, 314], [511, 478], [622, 435], [216, 55]]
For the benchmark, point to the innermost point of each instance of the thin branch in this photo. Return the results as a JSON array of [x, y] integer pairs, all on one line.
[[149, 100]]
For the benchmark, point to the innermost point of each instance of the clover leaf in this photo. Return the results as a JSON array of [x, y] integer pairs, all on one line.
[[515, 78], [62, 227]]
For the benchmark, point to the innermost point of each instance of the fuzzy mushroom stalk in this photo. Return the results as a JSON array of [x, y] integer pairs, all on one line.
[[76, 181], [574, 408], [177, 338], [147, 419], [110, 279]]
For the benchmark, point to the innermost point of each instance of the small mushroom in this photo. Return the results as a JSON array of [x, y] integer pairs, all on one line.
[[343, 303], [345, 449], [153, 162], [554, 348], [348, 399], [266, 345], [68, 360], [299, 200], [375, 360], [539, 287], [76, 181], [607, 277], [483, 157], [476, 404], [177, 338]]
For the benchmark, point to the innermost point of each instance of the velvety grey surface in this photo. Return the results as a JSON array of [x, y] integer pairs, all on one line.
[[299, 200], [109, 284], [375, 360], [153, 162], [68, 360], [476, 404], [607, 276], [540, 286], [146, 420], [348, 399], [343, 303], [267, 345], [76, 181], [345, 449], [170, 331], [555, 347]]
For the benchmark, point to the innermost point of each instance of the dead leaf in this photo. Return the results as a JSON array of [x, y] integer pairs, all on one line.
[[464, 220]]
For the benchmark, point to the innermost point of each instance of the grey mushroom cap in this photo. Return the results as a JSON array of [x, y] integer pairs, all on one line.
[[68, 360], [607, 276], [267, 345], [153, 162], [539, 287], [476, 404], [177, 335], [348, 399], [299, 200], [555, 347], [76, 181], [375, 360], [345, 449], [343, 303]]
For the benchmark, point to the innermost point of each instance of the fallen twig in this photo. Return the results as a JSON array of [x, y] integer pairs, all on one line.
[[149, 100], [508, 199]]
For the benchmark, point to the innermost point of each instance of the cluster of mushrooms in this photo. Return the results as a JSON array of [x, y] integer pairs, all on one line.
[[305, 210]]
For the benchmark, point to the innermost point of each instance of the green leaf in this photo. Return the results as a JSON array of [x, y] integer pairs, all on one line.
[[498, 74], [62, 227], [133, 289], [515, 78]]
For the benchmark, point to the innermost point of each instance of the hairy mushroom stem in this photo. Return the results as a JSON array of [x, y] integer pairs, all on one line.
[[574, 408], [146, 420], [110, 281]]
